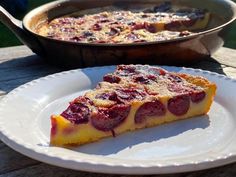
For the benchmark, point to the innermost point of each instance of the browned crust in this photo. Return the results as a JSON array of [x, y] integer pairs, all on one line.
[[198, 80], [204, 83]]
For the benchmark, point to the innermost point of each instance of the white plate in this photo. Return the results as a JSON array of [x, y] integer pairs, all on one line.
[[188, 145]]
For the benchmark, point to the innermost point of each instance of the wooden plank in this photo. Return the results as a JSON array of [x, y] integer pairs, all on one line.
[[223, 171], [12, 80], [22, 72], [2, 144], [14, 52], [229, 71], [12, 160], [1, 96], [28, 61], [23, 61], [19, 71], [9, 159], [223, 55], [42, 170], [226, 56], [2, 93], [16, 72]]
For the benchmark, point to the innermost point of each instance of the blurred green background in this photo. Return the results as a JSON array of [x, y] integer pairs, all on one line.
[[9, 39]]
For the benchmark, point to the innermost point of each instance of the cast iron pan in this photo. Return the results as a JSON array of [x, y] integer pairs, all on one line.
[[181, 51]]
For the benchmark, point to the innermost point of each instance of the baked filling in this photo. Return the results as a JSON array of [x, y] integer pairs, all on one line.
[[133, 97], [162, 22]]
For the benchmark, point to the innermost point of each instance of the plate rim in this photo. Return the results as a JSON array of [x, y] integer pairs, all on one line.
[[108, 167]]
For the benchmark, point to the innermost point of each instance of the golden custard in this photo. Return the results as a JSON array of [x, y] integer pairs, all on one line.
[[162, 22], [133, 97]]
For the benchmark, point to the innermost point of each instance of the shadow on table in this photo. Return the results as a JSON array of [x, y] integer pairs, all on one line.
[[209, 64]]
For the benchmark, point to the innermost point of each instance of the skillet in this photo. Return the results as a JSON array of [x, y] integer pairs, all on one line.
[[181, 51]]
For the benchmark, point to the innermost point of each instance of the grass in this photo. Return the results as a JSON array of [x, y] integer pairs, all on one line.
[[231, 37], [7, 38]]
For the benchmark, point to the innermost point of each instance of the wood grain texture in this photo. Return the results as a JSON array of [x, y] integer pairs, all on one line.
[[14, 52], [12, 160], [18, 65], [226, 56]]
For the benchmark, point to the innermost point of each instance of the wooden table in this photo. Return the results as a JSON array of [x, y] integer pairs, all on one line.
[[19, 65]]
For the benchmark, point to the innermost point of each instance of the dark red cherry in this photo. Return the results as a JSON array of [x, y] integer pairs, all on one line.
[[111, 78], [153, 108], [109, 96], [78, 111], [197, 97], [177, 88], [126, 70], [189, 23], [83, 99], [172, 25], [152, 77], [141, 79], [151, 28], [106, 119], [179, 105], [130, 94], [138, 26], [174, 78]]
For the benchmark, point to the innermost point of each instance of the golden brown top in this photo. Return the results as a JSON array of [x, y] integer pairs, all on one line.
[[124, 26]]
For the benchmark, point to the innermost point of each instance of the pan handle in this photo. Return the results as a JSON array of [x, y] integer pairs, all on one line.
[[17, 28]]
